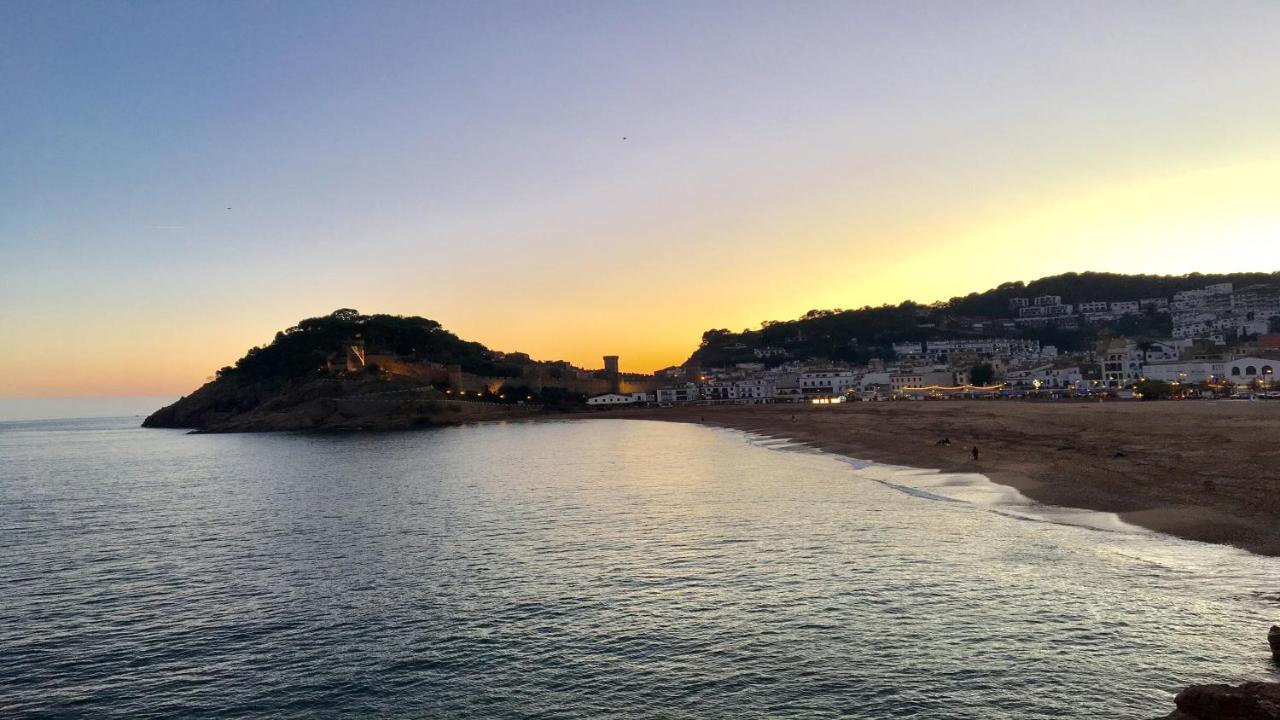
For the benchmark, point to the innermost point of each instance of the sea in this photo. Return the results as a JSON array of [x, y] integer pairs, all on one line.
[[584, 569]]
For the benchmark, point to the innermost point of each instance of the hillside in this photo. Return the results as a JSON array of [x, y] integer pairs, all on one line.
[[290, 384], [859, 335]]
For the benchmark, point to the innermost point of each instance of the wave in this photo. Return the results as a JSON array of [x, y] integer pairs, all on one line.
[[973, 489]]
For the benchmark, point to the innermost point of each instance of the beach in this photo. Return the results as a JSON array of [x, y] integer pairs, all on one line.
[[1200, 470]]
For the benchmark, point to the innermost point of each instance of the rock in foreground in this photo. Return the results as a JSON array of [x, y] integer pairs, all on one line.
[[1250, 701]]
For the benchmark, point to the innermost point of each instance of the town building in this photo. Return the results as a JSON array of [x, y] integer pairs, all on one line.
[[1251, 371], [907, 380], [827, 382], [613, 399], [1186, 372], [680, 393]]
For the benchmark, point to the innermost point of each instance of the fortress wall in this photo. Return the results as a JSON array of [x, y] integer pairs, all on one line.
[[438, 374], [423, 372]]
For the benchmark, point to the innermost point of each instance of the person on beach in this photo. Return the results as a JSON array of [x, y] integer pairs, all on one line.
[[974, 450]]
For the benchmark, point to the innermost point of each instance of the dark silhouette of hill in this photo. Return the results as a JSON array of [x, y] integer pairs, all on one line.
[[859, 335]]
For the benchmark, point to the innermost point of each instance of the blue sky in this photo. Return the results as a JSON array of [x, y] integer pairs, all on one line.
[[466, 162]]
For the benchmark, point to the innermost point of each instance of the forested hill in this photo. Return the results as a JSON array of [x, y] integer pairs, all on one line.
[[858, 335], [302, 349], [286, 385]]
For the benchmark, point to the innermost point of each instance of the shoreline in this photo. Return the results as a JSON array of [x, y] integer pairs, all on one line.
[[1205, 471]]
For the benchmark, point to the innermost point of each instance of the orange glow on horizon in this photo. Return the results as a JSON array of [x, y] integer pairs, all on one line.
[[1210, 220]]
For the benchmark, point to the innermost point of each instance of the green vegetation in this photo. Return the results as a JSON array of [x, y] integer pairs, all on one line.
[[1154, 390], [304, 348], [982, 374], [859, 335]]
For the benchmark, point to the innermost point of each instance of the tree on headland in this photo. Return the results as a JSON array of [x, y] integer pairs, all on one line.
[[304, 349]]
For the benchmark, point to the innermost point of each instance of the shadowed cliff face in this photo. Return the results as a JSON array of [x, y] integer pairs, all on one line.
[[350, 402], [300, 381]]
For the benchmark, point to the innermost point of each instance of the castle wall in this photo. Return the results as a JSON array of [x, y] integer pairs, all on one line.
[[534, 378]]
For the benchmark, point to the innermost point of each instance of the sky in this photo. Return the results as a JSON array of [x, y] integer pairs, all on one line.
[[180, 180]]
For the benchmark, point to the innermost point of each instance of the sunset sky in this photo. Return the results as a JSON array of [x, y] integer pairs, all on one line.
[[179, 180]]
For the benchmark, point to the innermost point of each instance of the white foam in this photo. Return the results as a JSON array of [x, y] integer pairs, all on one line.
[[970, 488]]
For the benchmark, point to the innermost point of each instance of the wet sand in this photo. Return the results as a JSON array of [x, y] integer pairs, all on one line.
[[1206, 470]]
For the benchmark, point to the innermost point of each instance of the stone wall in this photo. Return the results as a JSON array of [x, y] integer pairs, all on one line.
[[534, 377]]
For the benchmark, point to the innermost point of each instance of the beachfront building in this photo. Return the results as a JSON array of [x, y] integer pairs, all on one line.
[[1185, 372], [907, 380], [827, 383], [750, 391], [1047, 376], [680, 393], [788, 394], [1251, 372], [615, 399]]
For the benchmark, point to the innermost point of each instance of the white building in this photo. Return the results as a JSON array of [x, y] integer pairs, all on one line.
[[827, 382], [756, 390], [1247, 370], [1122, 363], [915, 379], [741, 391], [1187, 372], [611, 399], [1047, 376], [941, 350], [1091, 308], [682, 393], [1126, 307]]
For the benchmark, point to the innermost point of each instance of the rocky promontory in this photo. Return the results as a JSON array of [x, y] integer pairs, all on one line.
[[1250, 701], [321, 375], [359, 403]]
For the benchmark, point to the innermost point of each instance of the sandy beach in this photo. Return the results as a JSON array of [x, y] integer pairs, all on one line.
[[1207, 471]]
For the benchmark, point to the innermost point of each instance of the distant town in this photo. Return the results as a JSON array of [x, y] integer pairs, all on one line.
[[347, 370], [1223, 342]]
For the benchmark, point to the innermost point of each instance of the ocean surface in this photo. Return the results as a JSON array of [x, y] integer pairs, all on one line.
[[588, 569]]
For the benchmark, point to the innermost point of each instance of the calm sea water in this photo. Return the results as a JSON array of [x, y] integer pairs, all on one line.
[[578, 570]]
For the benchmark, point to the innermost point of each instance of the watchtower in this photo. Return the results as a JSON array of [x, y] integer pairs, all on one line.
[[612, 374]]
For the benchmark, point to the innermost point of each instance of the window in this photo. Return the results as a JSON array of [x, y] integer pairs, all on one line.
[[1251, 370]]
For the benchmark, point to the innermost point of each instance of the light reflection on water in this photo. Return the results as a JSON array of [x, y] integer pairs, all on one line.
[[585, 569]]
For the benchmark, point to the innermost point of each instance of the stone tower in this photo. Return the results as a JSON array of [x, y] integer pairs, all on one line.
[[611, 373]]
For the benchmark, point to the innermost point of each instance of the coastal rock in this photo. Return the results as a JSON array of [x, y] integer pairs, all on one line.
[[359, 402], [1273, 637], [1250, 701]]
